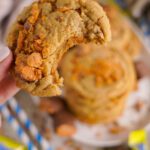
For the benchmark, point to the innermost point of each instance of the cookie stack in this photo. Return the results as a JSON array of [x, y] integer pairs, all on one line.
[[98, 81]]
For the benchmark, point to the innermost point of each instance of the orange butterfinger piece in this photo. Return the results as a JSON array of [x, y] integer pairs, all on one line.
[[20, 60], [20, 40], [64, 123], [34, 60], [30, 73], [38, 41], [37, 46], [34, 13], [66, 130], [63, 9]]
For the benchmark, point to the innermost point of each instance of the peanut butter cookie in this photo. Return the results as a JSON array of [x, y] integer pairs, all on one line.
[[98, 81], [122, 33], [44, 31]]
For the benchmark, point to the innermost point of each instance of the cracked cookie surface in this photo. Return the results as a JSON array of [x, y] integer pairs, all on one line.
[[44, 31]]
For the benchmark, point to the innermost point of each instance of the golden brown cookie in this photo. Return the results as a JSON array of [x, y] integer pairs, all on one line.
[[134, 47], [122, 34], [98, 81], [44, 31]]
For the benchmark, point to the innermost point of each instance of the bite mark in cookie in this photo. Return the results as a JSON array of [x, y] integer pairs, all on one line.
[[44, 31]]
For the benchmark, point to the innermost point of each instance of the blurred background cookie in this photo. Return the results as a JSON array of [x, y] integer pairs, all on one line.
[[97, 82], [123, 38]]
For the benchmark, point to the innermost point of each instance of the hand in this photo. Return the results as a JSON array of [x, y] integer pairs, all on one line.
[[7, 84]]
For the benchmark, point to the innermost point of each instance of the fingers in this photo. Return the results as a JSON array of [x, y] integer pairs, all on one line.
[[4, 67], [5, 61], [7, 84], [7, 88], [4, 52]]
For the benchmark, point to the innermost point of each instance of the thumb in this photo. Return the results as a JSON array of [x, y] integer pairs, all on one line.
[[5, 61], [4, 52], [7, 83]]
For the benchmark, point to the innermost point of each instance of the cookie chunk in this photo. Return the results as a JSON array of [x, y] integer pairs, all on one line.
[[44, 31]]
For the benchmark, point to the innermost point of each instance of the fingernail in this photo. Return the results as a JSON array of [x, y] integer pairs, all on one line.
[[4, 52]]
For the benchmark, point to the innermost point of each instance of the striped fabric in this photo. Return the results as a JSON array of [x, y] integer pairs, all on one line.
[[16, 126], [28, 124]]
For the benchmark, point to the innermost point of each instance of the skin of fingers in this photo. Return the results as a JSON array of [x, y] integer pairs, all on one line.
[[5, 66], [8, 88]]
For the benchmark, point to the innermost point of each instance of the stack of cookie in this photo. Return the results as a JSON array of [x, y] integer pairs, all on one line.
[[98, 81]]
